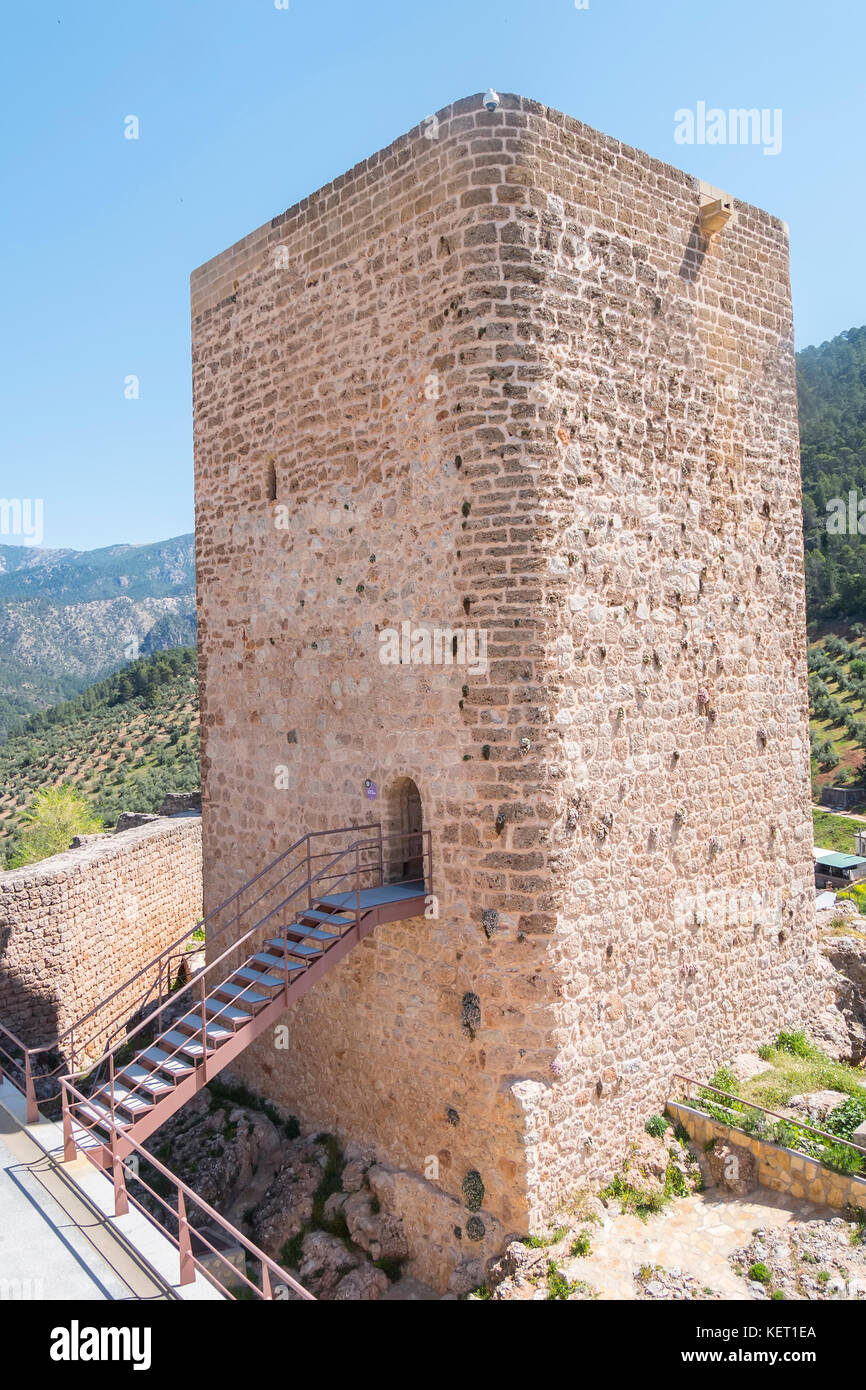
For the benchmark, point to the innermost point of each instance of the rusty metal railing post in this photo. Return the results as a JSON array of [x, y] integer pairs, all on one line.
[[203, 1031], [68, 1141], [30, 1090], [266, 1282], [184, 1243], [358, 879], [309, 876], [381, 856], [118, 1177]]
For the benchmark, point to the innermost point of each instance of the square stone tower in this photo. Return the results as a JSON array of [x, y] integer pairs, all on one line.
[[496, 382]]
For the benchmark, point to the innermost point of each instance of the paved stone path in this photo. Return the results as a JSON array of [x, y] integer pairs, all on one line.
[[696, 1234]]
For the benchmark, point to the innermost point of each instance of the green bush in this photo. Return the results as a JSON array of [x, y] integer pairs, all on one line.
[[846, 1117], [657, 1126], [842, 1159], [725, 1079], [581, 1245], [760, 1273], [55, 816], [558, 1287], [796, 1043]]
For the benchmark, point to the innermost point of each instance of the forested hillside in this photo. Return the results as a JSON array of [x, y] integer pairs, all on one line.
[[123, 743], [831, 383]]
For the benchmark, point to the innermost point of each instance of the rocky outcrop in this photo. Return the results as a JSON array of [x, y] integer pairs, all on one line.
[[286, 1210], [847, 954], [841, 1026], [815, 1260], [219, 1149]]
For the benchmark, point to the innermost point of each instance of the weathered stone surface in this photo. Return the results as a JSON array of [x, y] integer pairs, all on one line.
[[749, 1065], [287, 1206], [816, 1105], [354, 1175], [362, 1285], [131, 820], [516, 1260], [813, 1260], [324, 1263], [177, 803], [442, 1234], [379, 1232], [478, 383], [74, 928]]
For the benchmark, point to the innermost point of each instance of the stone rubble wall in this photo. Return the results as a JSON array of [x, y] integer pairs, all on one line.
[[781, 1169], [493, 378], [75, 927]]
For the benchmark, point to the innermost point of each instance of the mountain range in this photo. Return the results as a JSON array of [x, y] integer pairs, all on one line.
[[69, 618]]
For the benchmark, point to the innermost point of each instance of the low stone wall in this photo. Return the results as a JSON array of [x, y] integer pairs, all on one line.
[[783, 1170], [75, 927]]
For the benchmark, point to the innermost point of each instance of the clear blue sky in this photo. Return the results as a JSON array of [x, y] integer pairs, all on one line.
[[245, 108]]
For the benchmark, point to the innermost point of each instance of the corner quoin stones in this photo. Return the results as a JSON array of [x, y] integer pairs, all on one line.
[[497, 379]]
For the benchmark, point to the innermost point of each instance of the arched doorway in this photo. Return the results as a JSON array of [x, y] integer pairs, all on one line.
[[405, 824]]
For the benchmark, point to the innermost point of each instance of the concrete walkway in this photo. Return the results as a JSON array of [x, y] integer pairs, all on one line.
[[57, 1225], [696, 1234], [53, 1243]]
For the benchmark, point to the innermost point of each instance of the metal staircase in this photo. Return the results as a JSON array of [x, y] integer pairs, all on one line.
[[297, 934], [162, 1035]]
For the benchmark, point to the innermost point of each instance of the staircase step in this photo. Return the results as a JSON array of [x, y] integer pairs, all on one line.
[[304, 950], [135, 1102], [95, 1110], [184, 1043], [242, 994], [148, 1082], [337, 919], [275, 964], [86, 1139], [226, 1014], [175, 1066], [261, 980], [300, 930], [216, 1032]]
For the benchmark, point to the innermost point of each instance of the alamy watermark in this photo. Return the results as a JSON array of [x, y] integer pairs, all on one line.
[[414, 645], [22, 516], [847, 518], [721, 907], [736, 126]]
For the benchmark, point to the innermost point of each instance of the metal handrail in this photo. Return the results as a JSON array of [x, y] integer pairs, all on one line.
[[26, 1067], [751, 1105], [165, 956], [211, 965], [109, 1057], [74, 1099], [185, 1195]]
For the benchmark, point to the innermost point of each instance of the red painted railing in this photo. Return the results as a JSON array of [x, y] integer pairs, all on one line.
[[273, 1281], [216, 971], [91, 1034], [741, 1101], [17, 1066], [367, 860]]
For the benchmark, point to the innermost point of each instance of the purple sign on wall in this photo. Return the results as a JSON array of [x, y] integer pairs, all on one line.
[[370, 790]]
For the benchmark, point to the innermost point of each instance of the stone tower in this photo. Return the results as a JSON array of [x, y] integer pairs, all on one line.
[[496, 382]]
